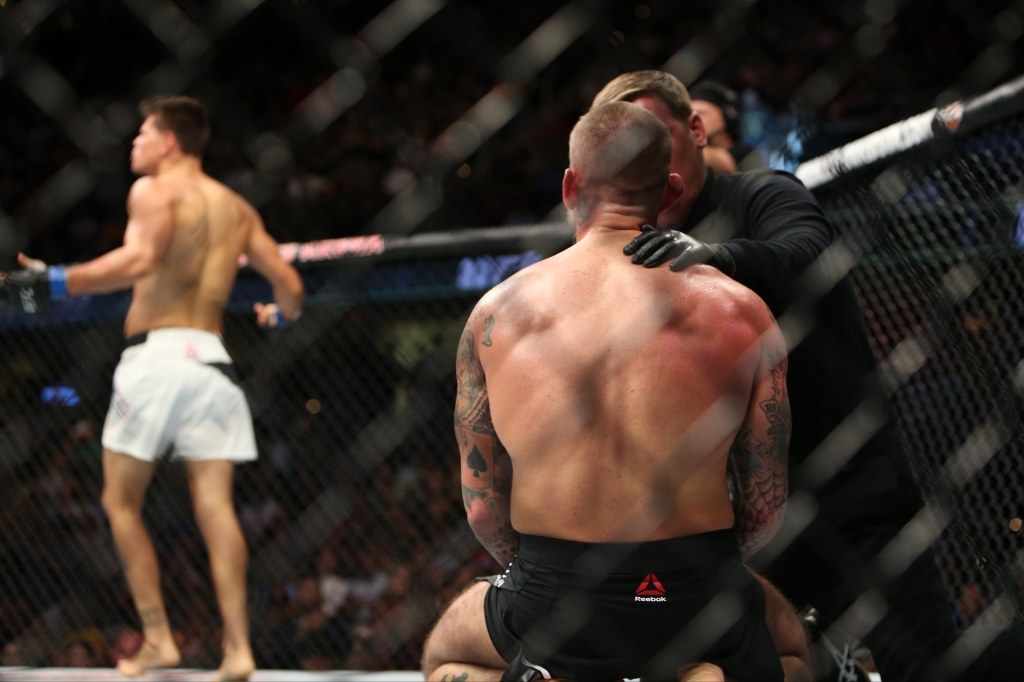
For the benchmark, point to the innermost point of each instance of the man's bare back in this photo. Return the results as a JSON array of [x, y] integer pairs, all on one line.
[[618, 392], [600, 417], [210, 227], [181, 246]]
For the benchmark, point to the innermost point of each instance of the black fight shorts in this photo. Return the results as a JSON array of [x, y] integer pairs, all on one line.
[[611, 611]]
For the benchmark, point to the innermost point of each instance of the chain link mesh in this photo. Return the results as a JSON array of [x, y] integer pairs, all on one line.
[[352, 514], [942, 266]]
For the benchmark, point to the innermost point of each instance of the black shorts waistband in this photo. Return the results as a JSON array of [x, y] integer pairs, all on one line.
[[135, 339], [628, 557]]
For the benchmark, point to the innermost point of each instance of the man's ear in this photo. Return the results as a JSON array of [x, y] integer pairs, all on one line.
[[700, 135], [169, 142], [673, 190], [570, 188]]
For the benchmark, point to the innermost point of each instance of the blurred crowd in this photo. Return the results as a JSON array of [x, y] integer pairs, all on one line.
[[335, 183], [363, 598], [364, 594], [357, 589], [353, 549]]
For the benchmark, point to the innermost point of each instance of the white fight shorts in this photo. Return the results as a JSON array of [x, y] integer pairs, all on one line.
[[172, 388]]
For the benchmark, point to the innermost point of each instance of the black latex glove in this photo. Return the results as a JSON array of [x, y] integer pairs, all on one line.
[[653, 247]]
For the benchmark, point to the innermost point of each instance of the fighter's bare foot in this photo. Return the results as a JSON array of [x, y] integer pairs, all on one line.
[[236, 666], [151, 655]]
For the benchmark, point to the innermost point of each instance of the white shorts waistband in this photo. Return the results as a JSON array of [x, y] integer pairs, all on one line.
[[179, 342]]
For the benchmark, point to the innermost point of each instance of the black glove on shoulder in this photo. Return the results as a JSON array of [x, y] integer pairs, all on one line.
[[653, 247]]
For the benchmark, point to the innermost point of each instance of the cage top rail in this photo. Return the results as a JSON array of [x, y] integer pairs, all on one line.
[[545, 238], [955, 120]]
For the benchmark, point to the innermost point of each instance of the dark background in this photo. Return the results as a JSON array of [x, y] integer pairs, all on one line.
[[821, 73]]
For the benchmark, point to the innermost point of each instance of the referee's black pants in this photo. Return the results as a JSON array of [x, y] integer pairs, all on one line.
[[828, 566]]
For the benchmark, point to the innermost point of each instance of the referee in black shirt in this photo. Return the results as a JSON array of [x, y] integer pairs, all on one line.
[[764, 228]]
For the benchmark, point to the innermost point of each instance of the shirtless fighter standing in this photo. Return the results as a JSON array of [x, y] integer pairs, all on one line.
[[175, 383], [595, 414]]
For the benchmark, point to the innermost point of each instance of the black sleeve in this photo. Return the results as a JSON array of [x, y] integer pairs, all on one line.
[[786, 231]]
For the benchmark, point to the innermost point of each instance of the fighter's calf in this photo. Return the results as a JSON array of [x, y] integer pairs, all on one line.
[[787, 632], [459, 644]]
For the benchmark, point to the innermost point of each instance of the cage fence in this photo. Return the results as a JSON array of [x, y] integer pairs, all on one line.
[[352, 514], [938, 279]]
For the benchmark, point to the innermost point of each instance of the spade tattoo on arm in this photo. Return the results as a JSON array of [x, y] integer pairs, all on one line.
[[486, 465], [475, 461]]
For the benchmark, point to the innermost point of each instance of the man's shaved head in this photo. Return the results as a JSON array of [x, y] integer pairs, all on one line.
[[624, 148]]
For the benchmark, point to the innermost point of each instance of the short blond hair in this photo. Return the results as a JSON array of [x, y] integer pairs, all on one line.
[[663, 85], [623, 146]]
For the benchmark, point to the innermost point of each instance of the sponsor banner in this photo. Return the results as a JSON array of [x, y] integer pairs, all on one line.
[[327, 249]]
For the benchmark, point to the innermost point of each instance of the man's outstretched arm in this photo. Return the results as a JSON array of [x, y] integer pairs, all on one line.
[[486, 466], [759, 454], [150, 223], [263, 255]]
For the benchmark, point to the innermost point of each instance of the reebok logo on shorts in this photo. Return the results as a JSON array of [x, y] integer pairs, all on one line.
[[650, 589]]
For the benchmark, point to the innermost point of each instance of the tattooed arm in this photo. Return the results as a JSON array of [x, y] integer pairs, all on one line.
[[486, 466], [759, 455]]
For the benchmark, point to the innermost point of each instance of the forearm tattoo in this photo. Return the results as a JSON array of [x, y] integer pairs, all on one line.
[[759, 459], [486, 465]]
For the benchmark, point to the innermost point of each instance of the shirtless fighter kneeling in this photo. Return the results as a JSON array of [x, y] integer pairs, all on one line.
[[597, 409], [175, 385]]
